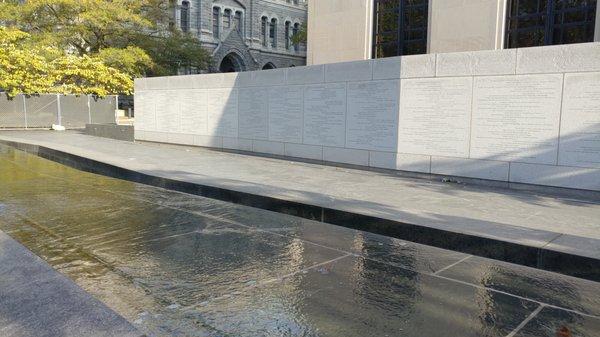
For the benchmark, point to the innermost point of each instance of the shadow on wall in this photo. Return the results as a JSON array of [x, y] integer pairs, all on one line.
[[569, 161], [237, 108]]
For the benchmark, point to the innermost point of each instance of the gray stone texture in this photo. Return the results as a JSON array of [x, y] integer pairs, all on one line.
[[120, 132], [480, 115], [246, 43], [36, 300], [516, 216]]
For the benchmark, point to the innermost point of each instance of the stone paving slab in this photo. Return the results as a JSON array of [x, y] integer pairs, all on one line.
[[541, 221], [185, 265], [35, 300]]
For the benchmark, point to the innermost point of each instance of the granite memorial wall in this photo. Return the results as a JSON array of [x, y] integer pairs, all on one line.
[[528, 115]]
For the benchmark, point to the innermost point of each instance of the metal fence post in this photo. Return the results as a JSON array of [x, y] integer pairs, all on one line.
[[89, 110], [25, 109], [116, 109], [59, 120]]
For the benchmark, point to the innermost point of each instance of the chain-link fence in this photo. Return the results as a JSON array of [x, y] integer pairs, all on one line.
[[70, 111]]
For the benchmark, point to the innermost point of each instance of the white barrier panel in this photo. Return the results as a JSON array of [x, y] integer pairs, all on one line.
[[487, 115]]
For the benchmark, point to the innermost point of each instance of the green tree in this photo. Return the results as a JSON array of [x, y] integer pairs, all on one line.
[[22, 68], [173, 52], [130, 60], [33, 69], [301, 35], [87, 75], [134, 36]]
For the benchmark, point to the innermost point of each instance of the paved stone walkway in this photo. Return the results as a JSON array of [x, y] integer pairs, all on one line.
[[560, 223], [35, 300]]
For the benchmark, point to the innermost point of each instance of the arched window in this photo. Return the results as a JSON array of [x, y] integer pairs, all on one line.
[[238, 21], [288, 37], [294, 33], [273, 33], [295, 2], [263, 31], [216, 17], [185, 16], [227, 18]]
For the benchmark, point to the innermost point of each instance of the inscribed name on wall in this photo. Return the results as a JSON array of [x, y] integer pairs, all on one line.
[[167, 111], [516, 118], [373, 115], [253, 113], [580, 121], [325, 115], [435, 116], [223, 112], [145, 119], [194, 111], [286, 114]]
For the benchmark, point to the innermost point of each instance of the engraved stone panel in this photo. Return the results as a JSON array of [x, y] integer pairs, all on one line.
[[434, 116], [516, 118], [167, 111], [580, 121], [373, 115], [325, 114], [253, 113], [145, 117], [285, 114], [223, 112], [194, 111]]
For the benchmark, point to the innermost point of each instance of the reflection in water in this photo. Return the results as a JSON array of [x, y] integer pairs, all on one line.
[[179, 265]]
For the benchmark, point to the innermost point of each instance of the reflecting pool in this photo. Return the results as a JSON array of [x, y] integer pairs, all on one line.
[[181, 265]]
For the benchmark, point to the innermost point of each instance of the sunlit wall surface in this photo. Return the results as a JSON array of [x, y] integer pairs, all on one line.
[[385, 28]]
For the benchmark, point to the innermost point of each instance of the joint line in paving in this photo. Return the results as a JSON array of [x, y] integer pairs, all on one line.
[[453, 264], [525, 321], [306, 241], [34, 224], [514, 295], [169, 237], [553, 239], [266, 282]]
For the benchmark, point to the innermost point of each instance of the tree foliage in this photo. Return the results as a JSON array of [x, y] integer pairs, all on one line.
[[130, 60], [21, 69], [301, 36], [117, 38], [31, 69], [174, 51]]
